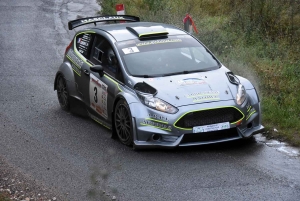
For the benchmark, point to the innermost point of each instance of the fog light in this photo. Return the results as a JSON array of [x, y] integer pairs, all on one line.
[[249, 125], [169, 138]]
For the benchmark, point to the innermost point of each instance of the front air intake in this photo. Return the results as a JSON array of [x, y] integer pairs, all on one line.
[[210, 116]]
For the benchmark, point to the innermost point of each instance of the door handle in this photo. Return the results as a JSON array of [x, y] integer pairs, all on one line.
[[86, 72]]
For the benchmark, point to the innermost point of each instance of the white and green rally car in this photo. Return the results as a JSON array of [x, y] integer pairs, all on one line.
[[154, 85]]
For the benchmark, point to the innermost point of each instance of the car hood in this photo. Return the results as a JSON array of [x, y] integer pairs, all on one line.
[[192, 88]]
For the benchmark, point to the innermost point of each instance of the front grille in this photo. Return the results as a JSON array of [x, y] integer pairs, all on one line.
[[210, 136], [211, 116]]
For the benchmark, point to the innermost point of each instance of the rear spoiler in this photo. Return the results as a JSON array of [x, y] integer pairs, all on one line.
[[104, 18]]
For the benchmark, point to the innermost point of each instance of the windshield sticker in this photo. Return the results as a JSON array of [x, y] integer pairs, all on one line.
[[159, 42], [98, 96], [183, 36], [191, 81], [130, 50], [83, 43], [129, 42]]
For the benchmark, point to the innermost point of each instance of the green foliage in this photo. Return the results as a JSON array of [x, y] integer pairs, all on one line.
[[108, 6], [258, 39]]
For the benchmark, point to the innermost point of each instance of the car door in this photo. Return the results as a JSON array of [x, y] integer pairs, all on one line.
[[102, 90], [82, 50]]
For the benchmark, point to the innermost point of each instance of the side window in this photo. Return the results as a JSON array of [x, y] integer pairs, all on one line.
[[97, 53], [83, 44], [102, 53]]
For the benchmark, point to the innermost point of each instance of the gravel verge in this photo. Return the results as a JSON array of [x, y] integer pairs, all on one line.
[[15, 185]]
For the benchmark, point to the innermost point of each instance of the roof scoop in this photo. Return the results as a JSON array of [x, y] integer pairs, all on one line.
[[146, 32]]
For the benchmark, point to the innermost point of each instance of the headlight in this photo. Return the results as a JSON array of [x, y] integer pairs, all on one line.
[[241, 95], [157, 103]]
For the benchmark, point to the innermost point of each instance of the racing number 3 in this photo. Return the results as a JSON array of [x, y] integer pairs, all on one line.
[[95, 97], [98, 96]]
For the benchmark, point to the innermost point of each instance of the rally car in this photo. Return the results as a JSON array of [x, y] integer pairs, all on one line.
[[154, 85]]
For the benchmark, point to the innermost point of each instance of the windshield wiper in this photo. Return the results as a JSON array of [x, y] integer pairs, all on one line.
[[183, 72], [144, 76]]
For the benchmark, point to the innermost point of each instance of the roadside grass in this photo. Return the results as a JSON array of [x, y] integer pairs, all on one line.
[[256, 44], [272, 67]]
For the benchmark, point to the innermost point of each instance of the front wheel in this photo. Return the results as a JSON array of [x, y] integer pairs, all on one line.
[[62, 93], [123, 123]]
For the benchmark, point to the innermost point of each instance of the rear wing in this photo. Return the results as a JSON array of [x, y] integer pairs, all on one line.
[[104, 18]]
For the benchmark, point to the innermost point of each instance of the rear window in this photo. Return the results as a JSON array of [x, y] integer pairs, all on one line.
[[83, 43], [162, 57]]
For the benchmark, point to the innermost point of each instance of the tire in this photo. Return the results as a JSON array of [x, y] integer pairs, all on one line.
[[62, 93], [123, 123]]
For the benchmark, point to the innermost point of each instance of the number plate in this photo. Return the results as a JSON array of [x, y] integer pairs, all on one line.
[[211, 127]]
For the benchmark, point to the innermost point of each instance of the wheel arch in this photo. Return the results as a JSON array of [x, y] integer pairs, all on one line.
[[129, 98], [66, 71]]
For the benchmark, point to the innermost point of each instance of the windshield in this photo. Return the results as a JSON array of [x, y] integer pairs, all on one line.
[[163, 57]]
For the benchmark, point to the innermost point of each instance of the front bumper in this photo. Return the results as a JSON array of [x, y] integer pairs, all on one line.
[[158, 129]]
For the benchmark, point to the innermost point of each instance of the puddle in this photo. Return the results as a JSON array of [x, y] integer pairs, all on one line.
[[279, 146]]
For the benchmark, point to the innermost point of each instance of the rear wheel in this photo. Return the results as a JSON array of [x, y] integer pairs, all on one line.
[[123, 123], [62, 93]]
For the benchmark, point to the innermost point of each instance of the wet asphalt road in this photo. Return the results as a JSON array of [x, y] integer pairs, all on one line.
[[63, 150]]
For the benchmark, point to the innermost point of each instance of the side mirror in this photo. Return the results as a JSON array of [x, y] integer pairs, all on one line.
[[97, 69]]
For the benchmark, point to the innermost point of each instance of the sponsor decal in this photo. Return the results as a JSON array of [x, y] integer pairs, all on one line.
[[250, 113], [156, 125], [211, 127], [76, 69], [102, 18], [205, 97], [202, 93], [130, 50], [74, 59], [99, 121], [159, 42], [98, 96], [158, 117], [191, 81], [83, 43], [248, 106]]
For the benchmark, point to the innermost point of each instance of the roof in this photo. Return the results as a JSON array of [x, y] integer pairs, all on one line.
[[121, 33]]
